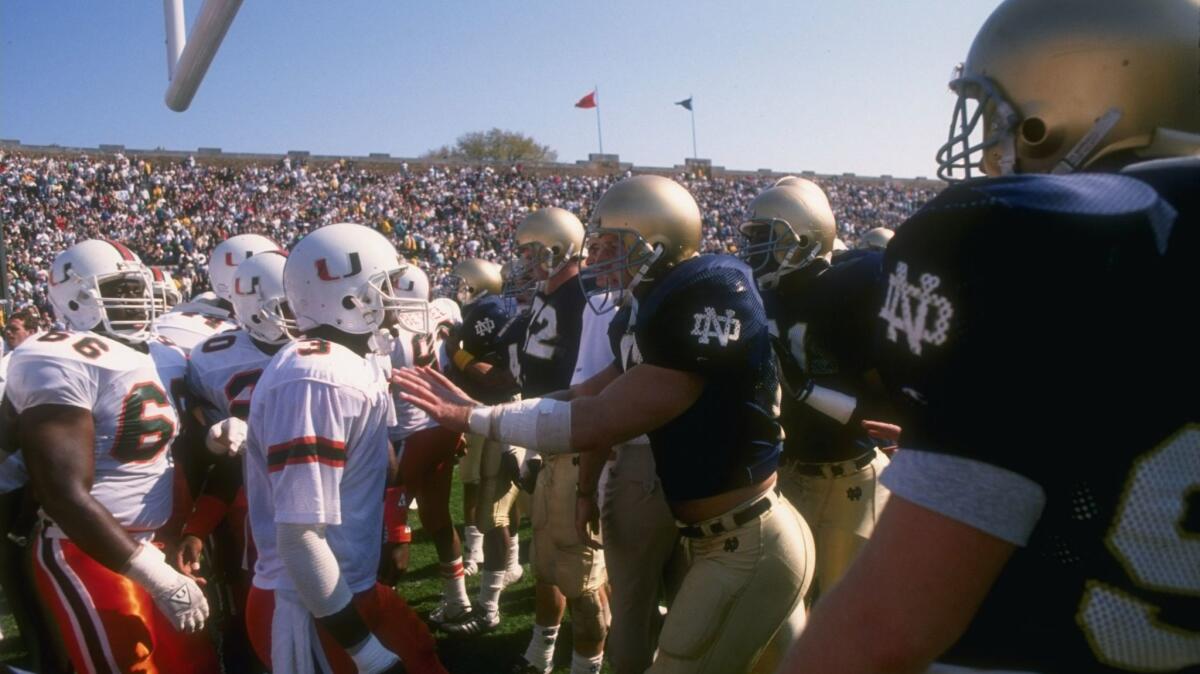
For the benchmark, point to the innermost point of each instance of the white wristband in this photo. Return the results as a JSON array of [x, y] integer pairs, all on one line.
[[371, 656], [831, 403], [480, 420], [539, 424]]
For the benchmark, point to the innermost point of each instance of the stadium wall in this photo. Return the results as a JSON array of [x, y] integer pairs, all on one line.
[[596, 164]]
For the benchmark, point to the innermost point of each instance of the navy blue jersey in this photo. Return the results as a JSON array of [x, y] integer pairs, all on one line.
[[481, 339], [1034, 323], [551, 346], [705, 316], [823, 319]]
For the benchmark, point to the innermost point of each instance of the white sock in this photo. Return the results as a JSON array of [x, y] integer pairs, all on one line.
[[541, 646], [490, 585], [514, 550], [582, 664], [473, 542], [454, 583]]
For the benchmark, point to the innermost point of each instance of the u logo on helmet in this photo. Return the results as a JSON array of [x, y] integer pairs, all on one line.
[[229, 258], [323, 268], [237, 286], [66, 275]]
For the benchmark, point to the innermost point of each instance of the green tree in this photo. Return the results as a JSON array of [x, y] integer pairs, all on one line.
[[495, 145]]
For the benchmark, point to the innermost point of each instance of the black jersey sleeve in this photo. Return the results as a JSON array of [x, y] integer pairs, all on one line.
[[711, 321]]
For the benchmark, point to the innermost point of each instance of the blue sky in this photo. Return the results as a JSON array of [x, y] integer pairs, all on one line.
[[853, 85]]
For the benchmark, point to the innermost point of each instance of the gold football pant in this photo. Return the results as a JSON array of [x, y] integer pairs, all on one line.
[[841, 503], [743, 597]]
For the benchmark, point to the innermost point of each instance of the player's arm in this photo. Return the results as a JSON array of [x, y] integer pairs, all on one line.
[[632, 404], [57, 440], [57, 444], [949, 566], [306, 495]]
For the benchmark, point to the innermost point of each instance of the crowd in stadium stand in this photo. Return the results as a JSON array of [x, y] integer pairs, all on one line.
[[173, 213]]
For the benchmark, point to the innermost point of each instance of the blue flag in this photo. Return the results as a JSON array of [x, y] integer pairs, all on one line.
[[687, 103]]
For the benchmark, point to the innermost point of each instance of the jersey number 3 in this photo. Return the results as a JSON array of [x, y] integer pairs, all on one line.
[[1161, 552]]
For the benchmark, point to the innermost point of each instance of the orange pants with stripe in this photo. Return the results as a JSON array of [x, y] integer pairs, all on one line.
[[386, 614], [108, 622]]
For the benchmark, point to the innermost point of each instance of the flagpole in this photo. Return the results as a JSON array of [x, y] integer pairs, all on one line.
[[599, 135], [692, 109]]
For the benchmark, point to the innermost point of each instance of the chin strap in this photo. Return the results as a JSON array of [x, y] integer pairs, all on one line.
[[1086, 145]]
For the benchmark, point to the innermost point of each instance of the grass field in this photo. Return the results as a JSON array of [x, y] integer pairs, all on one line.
[[488, 654]]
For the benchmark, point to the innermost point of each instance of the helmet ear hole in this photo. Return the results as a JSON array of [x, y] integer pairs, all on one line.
[[347, 302], [803, 240], [73, 305], [1033, 130]]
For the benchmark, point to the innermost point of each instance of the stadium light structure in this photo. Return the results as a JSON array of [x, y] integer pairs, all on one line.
[[188, 57]]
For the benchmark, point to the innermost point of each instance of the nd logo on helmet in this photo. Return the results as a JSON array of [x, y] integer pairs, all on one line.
[[323, 268]]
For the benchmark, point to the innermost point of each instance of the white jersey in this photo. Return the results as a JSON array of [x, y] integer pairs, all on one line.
[[222, 374], [410, 349], [132, 414], [317, 453], [171, 361], [193, 322]]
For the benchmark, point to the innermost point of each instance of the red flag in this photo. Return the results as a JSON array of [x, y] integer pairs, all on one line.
[[588, 101]]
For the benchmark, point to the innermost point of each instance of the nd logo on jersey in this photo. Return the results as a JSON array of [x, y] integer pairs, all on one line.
[[901, 315], [725, 328], [485, 327]]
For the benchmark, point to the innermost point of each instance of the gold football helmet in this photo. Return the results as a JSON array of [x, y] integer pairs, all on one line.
[[474, 278], [656, 224], [548, 239], [877, 239], [788, 227], [1062, 85]]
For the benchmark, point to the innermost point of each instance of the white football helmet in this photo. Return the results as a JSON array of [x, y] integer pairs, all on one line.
[[102, 285], [413, 287], [350, 277], [226, 257], [259, 300]]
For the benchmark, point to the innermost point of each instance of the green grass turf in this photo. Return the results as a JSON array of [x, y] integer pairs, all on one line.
[[422, 587]]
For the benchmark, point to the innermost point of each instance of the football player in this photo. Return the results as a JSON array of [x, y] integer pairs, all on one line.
[[426, 453], [1021, 548], [317, 454], [706, 392], [822, 316], [564, 343], [642, 552], [209, 313], [221, 376], [95, 422], [478, 287]]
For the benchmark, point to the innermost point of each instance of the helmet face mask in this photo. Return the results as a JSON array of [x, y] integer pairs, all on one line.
[[404, 296], [617, 262], [788, 227], [517, 286], [994, 149]]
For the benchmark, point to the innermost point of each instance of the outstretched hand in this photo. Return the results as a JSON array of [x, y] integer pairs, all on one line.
[[431, 391]]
